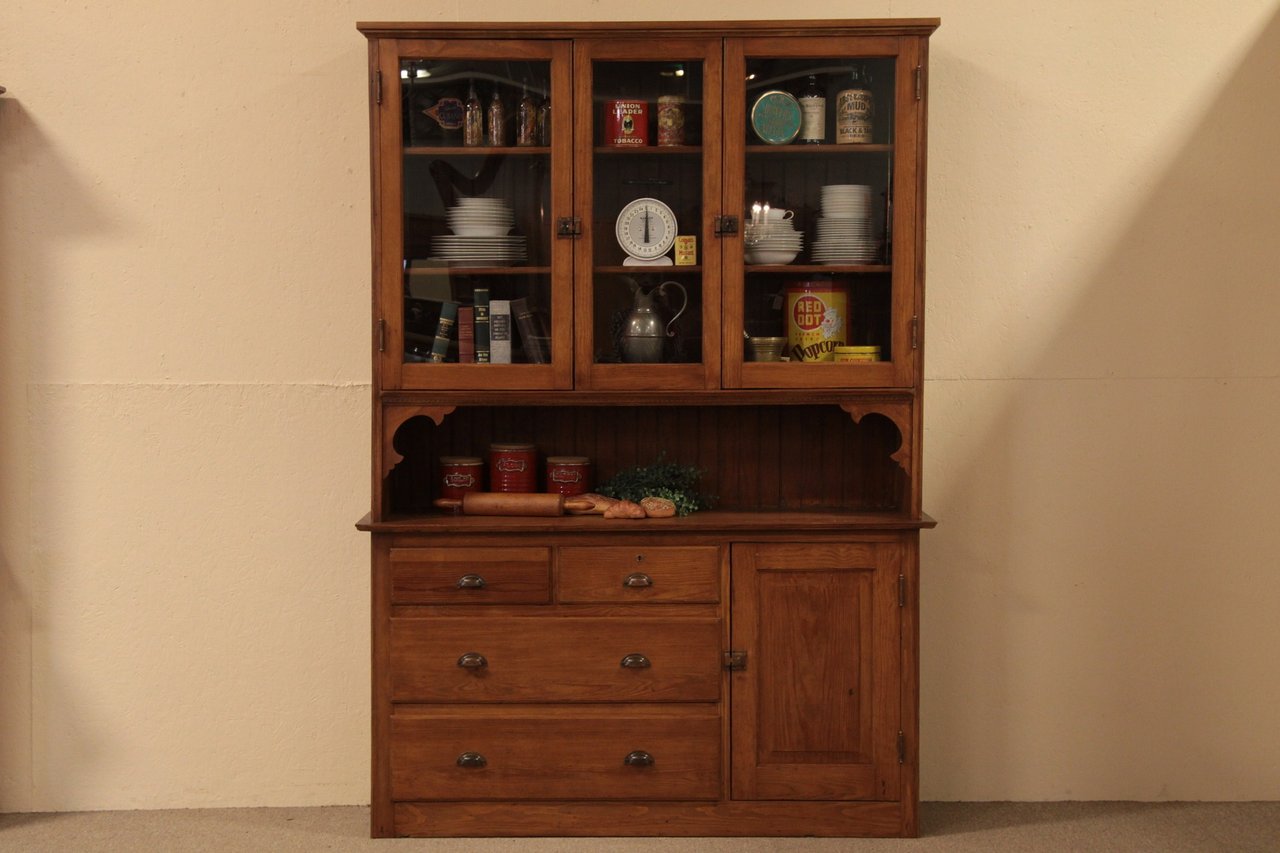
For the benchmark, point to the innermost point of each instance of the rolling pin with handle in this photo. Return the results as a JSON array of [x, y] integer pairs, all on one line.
[[513, 503]]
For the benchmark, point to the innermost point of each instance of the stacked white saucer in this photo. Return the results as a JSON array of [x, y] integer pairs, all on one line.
[[773, 240], [480, 237], [844, 228]]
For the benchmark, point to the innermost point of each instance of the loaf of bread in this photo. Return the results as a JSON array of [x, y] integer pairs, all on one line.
[[600, 503], [658, 507], [624, 509]]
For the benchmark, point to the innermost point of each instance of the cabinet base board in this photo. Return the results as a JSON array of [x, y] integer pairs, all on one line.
[[786, 819]]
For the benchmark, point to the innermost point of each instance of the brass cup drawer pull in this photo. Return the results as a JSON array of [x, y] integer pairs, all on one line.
[[639, 758], [472, 759], [637, 580], [635, 662], [471, 582], [473, 661]]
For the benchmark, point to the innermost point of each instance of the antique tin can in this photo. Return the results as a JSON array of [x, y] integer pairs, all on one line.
[[854, 108], [857, 354], [513, 468], [686, 250], [459, 475], [817, 319], [671, 120], [626, 123], [568, 475]]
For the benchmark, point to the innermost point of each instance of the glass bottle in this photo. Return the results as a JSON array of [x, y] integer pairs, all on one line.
[[855, 107], [497, 120], [813, 112], [526, 119], [473, 118], [544, 121]]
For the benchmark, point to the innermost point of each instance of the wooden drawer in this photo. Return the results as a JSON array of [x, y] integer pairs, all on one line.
[[470, 575], [560, 659], [555, 753], [640, 573]]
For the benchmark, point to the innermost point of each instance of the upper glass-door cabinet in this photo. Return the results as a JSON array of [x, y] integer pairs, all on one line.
[[821, 280], [474, 286], [647, 193]]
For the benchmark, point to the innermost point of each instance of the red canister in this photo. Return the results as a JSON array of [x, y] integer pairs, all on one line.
[[513, 468], [568, 475], [626, 123], [459, 475]]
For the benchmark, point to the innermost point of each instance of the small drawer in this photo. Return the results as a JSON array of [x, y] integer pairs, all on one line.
[[555, 753], [470, 575], [561, 659], [640, 573]]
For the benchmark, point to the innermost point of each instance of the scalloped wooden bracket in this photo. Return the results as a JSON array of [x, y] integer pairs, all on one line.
[[395, 417], [898, 411]]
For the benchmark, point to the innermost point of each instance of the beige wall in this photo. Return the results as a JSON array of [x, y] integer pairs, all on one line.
[[184, 395]]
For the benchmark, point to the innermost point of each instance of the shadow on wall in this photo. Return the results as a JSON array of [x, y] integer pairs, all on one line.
[[1118, 604], [44, 207]]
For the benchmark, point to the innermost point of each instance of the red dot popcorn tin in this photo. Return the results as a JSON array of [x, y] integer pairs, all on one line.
[[817, 319]]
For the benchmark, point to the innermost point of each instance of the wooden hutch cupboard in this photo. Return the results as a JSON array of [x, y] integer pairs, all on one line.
[[649, 201]]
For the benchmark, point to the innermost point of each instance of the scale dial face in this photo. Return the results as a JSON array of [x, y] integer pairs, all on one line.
[[646, 229]]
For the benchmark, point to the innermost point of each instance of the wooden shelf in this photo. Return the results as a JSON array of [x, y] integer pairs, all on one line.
[[475, 150], [653, 397], [664, 150], [624, 270], [817, 268], [707, 521], [800, 148], [462, 269]]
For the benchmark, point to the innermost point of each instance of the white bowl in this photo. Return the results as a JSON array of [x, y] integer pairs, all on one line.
[[770, 256]]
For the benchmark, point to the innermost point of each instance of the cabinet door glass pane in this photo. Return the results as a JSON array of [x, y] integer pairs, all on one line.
[[477, 211], [817, 232], [647, 174]]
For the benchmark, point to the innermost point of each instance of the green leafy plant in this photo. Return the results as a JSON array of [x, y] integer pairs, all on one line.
[[671, 480]]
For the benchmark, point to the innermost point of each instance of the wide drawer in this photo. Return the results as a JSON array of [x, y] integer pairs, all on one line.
[[554, 753], [562, 659], [641, 573], [470, 575]]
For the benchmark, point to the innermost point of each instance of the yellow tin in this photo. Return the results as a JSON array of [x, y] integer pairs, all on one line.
[[848, 354], [686, 250], [817, 319]]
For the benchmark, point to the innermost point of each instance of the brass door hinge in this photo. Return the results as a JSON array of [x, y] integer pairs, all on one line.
[[377, 87], [735, 661], [902, 590], [726, 225], [569, 226], [382, 335], [915, 332], [902, 748], [919, 82]]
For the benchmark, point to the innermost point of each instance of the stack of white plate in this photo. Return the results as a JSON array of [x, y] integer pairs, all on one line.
[[775, 241], [844, 228], [480, 217], [480, 237]]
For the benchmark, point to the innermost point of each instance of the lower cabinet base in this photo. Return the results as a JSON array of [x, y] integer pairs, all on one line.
[[790, 819]]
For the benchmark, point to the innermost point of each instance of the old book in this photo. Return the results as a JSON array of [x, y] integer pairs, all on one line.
[[482, 325], [444, 331], [500, 331], [466, 334], [533, 331]]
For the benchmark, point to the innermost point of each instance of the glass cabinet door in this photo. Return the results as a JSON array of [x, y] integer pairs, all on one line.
[[821, 153], [475, 143], [647, 190]]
